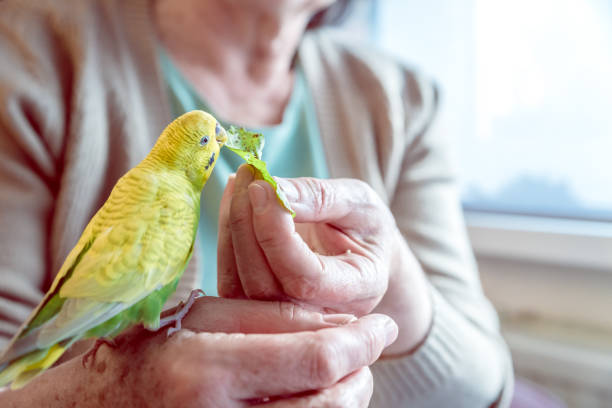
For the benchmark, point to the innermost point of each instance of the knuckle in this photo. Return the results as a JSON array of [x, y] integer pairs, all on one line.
[[229, 288], [315, 192], [174, 381], [323, 370], [368, 197], [239, 216], [238, 220], [327, 197], [373, 345], [259, 292], [270, 239], [288, 311], [301, 287]]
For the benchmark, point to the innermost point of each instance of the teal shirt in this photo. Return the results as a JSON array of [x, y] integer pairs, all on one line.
[[292, 149]]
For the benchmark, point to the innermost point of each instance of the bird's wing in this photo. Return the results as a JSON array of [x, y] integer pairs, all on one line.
[[138, 242], [47, 309], [143, 239]]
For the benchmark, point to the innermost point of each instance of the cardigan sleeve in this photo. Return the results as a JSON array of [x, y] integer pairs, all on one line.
[[81, 102], [463, 358], [29, 115]]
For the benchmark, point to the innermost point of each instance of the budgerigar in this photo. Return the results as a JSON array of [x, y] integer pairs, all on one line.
[[131, 255]]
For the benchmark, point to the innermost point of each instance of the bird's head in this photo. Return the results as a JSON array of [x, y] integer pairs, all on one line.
[[191, 143]]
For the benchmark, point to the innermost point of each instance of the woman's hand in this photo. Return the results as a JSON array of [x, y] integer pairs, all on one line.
[[231, 353], [341, 253]]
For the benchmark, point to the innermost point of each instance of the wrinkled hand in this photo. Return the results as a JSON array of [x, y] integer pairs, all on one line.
[[227, 363], [336, 255], [231, 353], [236, 352], [342, 253]]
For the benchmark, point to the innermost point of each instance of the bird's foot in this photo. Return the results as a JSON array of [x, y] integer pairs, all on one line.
[[91, 354], [181, 311]]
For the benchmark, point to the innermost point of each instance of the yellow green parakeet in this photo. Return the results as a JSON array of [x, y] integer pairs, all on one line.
[[131, 255]]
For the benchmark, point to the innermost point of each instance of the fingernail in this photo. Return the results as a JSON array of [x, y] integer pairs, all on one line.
[[391, 331], [339, 319], [244, 174], [259, 197]]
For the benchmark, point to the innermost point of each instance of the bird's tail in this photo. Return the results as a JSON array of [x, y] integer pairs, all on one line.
[[23, 369]]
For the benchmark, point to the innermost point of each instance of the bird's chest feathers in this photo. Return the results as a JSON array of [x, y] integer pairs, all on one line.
[[178, 192]]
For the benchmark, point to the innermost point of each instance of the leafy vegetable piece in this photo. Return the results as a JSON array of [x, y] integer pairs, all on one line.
[[249, 146]]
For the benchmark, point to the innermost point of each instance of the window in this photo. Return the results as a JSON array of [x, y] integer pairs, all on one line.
[[527, 89]]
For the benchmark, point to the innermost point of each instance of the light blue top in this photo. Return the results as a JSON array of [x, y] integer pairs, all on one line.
[[292, 149]]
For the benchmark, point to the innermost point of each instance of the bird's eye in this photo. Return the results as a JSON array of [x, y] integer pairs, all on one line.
[[204, 141], [217, 129]]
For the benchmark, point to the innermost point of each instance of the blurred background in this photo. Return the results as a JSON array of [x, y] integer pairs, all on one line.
[[527, 99]]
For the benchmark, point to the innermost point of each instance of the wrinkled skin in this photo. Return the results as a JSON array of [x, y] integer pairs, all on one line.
[[231, 353], [341, 253]]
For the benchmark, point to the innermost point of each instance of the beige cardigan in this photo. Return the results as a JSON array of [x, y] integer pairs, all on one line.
[[82, 101]]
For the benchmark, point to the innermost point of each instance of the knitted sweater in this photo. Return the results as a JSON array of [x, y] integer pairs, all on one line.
[[82, 101]]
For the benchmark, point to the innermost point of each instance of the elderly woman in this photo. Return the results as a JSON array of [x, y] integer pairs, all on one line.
[[85, 88]]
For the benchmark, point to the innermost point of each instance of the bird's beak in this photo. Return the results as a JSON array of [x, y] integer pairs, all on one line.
[[221, 136]]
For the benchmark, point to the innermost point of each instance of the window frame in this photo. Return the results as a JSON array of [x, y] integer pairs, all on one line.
[[556, 241], [538, 269]]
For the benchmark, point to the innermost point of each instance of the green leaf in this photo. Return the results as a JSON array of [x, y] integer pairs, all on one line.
[[245, 141], [249, 146]]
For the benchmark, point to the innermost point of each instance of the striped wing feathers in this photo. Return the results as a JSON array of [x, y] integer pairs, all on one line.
[[142, 237]]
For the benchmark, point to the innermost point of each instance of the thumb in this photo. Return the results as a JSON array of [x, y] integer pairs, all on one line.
[[329, 279]]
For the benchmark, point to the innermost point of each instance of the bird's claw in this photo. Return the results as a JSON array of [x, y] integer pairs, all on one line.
[[181, 311], [91, 354]]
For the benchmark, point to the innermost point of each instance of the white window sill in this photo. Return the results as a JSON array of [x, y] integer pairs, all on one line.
[[554, 270], [570, 243]]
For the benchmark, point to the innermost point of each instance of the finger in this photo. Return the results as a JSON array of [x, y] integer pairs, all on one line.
[[345, 203], [281, 364], [355, 390], [330, 281], [256, 277], [212, 314], [228, 281]]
